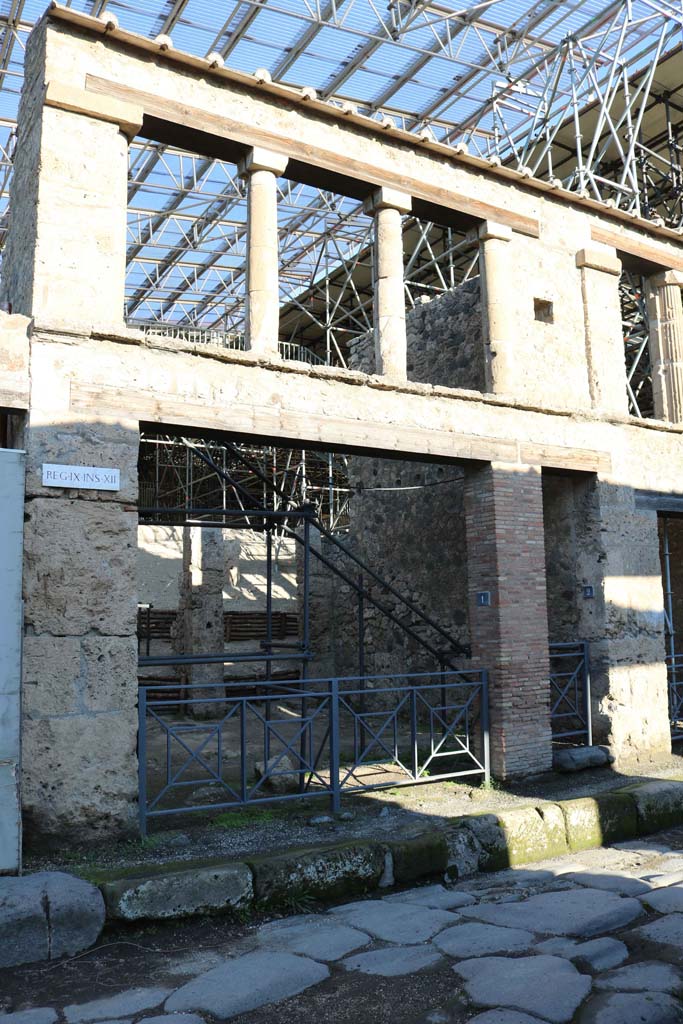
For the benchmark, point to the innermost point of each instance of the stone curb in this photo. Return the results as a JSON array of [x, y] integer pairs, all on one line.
[[467, 845]]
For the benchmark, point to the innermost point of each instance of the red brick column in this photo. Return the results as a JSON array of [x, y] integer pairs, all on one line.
[[505, 558]]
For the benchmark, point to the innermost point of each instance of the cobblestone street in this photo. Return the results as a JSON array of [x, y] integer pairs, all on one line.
[[596, 939]]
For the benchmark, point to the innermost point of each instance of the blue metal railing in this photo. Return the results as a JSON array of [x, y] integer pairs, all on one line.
[[313, 737], [674, 666], [570, 693]]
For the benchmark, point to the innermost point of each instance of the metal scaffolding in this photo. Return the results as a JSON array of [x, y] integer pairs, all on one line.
[[588, 92], [183, 473]]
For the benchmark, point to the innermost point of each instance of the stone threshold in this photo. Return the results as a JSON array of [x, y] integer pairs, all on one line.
[[462, 847]]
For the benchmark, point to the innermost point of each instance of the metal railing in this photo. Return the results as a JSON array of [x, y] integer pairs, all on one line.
[[225, 339], [311, 737], [570, 693], [674, 666]]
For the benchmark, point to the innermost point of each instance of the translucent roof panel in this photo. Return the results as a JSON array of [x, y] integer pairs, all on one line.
[[496, 74]]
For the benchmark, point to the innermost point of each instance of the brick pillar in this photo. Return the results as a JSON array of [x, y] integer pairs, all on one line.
[[261, 168], [506, 560], [666, 345], [600, 270], [389, 308]]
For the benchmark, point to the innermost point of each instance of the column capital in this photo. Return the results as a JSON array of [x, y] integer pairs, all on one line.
[[258, 159], [491, 229], [388, 199], [668, 277], [599, 259]]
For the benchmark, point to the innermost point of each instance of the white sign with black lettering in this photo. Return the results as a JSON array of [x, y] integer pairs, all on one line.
[[87, 478]]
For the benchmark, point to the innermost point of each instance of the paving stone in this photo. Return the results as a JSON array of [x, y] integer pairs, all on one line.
[[312, 935], [42, 1015], [665, 900], [475, 939], [581, 912], [631, 1008], [437, 897], [610, 881], [174, 1018], [504, 1017], [403, 923], [546, 986], [132, 1001], [659, 881], [647, 976], [595, 955], [599, 954], [666, 932], [393, 962], [246, 983]]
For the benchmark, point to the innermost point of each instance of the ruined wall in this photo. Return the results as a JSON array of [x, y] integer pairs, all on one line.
[[159, 569], [407, 519], [444, 340]]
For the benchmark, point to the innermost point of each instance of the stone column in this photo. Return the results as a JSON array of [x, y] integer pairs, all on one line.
[[389, 308], [600, 270], [261, 168], [507, 611], [666, 345], [618, 557], [65, 259], [498, 306], [202, 602]]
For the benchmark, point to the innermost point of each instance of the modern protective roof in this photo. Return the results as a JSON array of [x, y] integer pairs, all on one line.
[[506, 78]]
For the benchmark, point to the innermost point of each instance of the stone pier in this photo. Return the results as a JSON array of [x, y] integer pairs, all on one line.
[[666, 345]]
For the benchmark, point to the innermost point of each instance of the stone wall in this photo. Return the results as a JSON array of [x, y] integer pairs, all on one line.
[[444, 338], [159, 569]]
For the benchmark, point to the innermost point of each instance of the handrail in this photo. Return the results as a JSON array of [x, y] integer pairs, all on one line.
[[307, 512]]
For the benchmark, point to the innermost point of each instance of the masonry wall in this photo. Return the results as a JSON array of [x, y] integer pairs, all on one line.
[[159, 569]]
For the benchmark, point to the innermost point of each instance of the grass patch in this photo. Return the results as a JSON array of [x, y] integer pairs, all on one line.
[[236, 819]]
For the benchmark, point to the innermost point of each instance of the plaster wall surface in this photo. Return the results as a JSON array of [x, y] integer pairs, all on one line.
[[159, 569]]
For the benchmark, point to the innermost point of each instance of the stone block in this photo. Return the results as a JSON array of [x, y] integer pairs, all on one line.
[[533, 833], [14, 359], [79, 567], [419, 856], [577, 759], [23, 926], [597, 821], [80, 772], [327, 872], [464, 851], [56, 436], [659, 805], [214, 889], [488, 833], [47, 915], [75, 909]]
